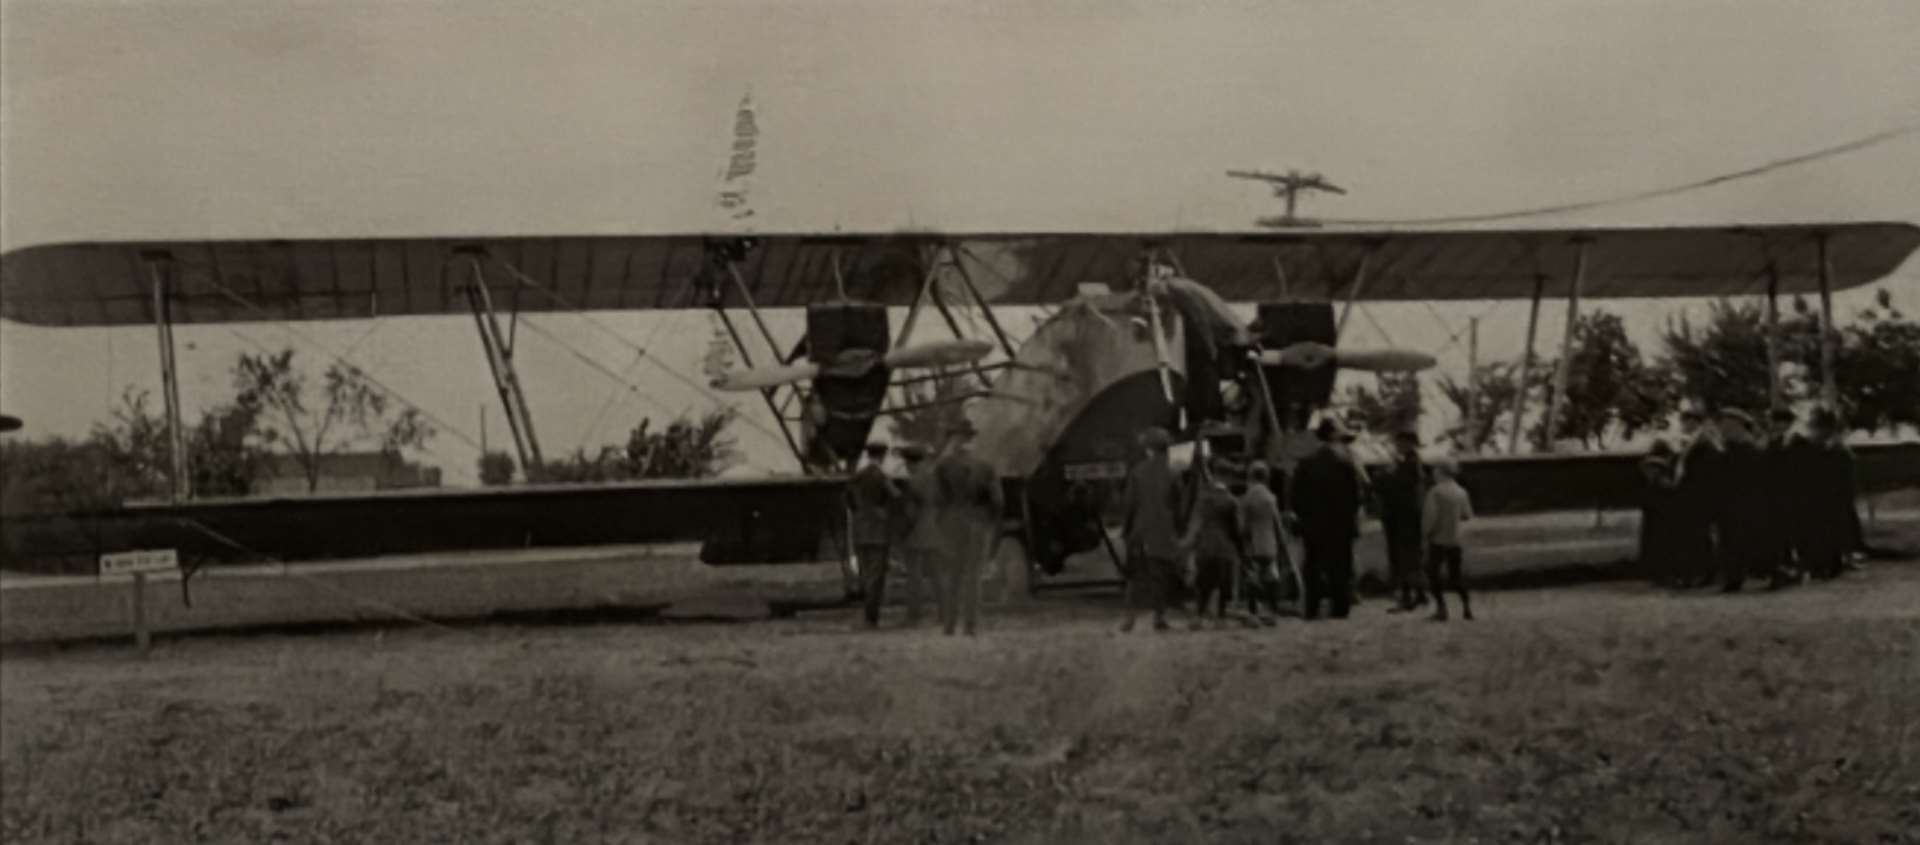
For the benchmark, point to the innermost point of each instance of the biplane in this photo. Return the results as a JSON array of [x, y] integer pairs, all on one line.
[[1142, 334]]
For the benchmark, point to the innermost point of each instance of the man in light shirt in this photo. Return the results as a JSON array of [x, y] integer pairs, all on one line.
[[1447, 507], [1265, 544]]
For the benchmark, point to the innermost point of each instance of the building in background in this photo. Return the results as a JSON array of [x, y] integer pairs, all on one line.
[[347, 472]]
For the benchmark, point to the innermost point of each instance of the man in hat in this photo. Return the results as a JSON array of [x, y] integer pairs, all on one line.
[[1151, 505], [1830, 526], [1698, 480], [1326, 501], [917, 534], [1214, 534], [1265, 542], [1785, 452], [870, 498], [968, 503], [1741, 516], [1657, 531], [1400, 494]]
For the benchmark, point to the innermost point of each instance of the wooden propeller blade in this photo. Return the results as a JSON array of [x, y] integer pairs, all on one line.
[[938, 354], [761, 378], [1383, 360]]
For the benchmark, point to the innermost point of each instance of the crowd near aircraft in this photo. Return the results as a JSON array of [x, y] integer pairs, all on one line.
[[1142, 333]]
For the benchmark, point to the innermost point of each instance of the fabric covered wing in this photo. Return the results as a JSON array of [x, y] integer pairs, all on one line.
[[241, 280]]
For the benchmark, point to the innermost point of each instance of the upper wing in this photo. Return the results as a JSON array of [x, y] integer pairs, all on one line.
[[220, 281]]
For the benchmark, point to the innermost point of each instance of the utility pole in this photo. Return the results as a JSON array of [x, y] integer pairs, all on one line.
[[1473, 385]]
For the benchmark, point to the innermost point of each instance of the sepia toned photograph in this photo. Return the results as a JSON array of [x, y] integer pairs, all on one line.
[[873, 421]]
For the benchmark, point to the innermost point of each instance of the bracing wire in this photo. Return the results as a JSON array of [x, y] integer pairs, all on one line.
[[663, 366], [635, 389], [1641, 196], [340, 359], [349, 595]]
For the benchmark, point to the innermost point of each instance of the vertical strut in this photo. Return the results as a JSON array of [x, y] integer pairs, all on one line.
[[1353, 291], [1566, 346], [940, 304], [746, 296], [986, 310], [1773, 337], [180, 484], [1829, 389], [1473, 385], [773, 407], [500, 361], [1526, 369]]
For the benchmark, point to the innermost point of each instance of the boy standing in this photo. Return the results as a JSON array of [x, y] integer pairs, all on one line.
[[1447, 506], [1260, 519], [1214, 538]]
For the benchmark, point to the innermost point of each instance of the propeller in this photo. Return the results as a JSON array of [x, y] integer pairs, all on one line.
[[854, 363], [1309, 355]]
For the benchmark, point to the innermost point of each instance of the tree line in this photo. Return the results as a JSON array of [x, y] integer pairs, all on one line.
[[276, 414], [1615, 392]]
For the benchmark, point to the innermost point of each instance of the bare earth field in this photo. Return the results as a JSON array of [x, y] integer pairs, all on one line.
[[1607, 713]]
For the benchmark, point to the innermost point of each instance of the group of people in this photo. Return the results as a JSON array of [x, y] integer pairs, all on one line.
[[1731, 502], [1228, 545], [942, 517], [1734, 502]]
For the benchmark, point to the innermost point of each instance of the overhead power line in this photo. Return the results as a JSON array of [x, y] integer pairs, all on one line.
[[1641, 196]]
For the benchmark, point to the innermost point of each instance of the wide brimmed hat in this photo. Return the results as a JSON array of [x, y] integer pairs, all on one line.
[[1738, 415]]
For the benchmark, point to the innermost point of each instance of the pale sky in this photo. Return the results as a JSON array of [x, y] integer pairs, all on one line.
[[280, 119]]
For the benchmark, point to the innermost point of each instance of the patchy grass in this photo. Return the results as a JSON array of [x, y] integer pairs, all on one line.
[[1603, 713]]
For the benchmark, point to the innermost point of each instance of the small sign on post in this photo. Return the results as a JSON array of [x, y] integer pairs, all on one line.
[[138, 564]]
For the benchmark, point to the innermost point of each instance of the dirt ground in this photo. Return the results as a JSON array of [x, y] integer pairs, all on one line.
[[1607, 713]]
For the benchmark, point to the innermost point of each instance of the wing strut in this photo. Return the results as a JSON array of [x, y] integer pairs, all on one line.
[[160, 273], [500, 362], [1774, 399], [728, 255], [1526, 367], [1566, 342], [986, 310], [1829, 389]]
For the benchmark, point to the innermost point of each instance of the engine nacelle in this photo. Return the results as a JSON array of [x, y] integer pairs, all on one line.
[[841, 410]]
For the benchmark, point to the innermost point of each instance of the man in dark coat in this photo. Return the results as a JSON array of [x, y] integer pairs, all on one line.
[[1400, 492], [1152, 506], [1326, 501], [1829, 529], [1746, 543], [870, 498], [916, 534], [1786, 455], [1657, 503], [1697, 501]]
